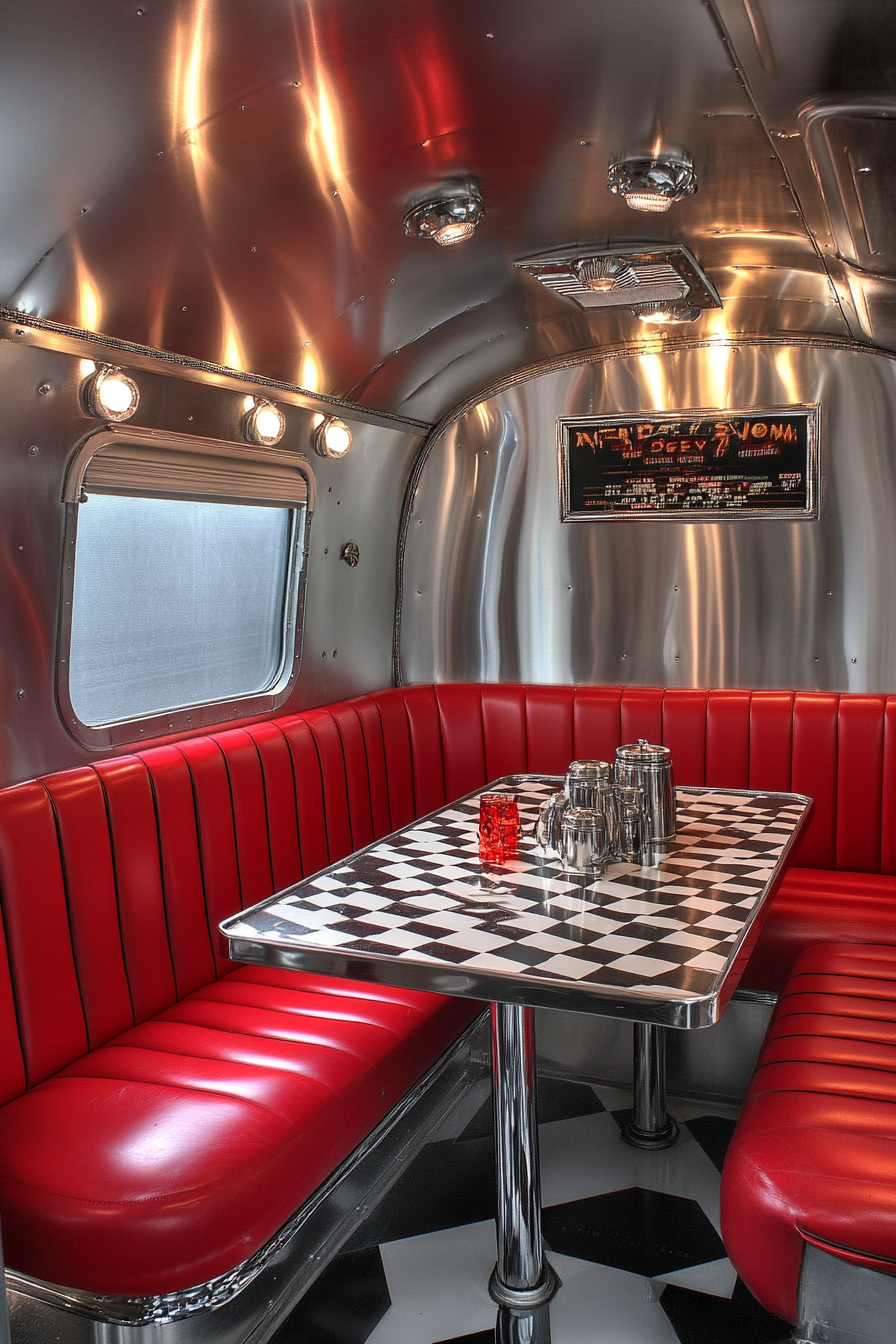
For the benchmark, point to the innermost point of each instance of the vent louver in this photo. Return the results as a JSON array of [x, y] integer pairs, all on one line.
[[645, 274]]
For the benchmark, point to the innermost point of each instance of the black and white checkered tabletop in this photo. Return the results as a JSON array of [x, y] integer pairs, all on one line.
[[422, 896]]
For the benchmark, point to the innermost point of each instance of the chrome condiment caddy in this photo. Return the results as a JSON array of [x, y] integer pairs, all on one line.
[[618, 813]]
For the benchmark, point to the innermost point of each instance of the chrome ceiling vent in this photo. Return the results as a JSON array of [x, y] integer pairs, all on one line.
[[604, 278]]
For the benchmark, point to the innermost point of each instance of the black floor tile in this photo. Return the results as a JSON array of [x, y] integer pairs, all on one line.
[[641, 1231], [713, 1133], [343, 1306], [698, 1318], [480, 1337], [556, 1099], [447, 1185]]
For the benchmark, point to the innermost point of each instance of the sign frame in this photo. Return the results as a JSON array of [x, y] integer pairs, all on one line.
[[811, 411]]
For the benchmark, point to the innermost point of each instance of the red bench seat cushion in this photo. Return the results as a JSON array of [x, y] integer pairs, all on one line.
[[813, 1158], [175, 1151], [818, 905]]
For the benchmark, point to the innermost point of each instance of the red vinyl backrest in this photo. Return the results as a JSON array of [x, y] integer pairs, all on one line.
[[138, 859]]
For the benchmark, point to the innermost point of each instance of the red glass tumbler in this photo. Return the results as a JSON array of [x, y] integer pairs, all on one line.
[[499, 827]]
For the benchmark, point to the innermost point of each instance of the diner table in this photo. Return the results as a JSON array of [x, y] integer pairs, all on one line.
[[661, 944]]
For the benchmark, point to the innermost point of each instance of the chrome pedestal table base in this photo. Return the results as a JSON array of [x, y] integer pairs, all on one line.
[[417, 910], [522, 1277], [650, 1125]]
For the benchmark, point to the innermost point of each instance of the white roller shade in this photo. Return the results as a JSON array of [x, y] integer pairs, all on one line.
[[125, 463]]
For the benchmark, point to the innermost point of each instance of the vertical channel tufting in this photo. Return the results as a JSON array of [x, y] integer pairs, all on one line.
[[642, 714], [357, 775], [213, 803], [332, 770], [12, 1059], [814, 773], [463, 742], [279, 784], [51, 1021], [188, 932], [399, 760], [504, 730], [728, 739], [138, 881], [597, 723], [684, 733], [771, 741], [860, 750], [309, 795], [888, 790], [549, 737], [253, 849], [372, 729], [83, 828], [424, 726]]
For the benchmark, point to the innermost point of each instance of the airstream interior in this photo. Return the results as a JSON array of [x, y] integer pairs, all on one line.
[[402, 397]]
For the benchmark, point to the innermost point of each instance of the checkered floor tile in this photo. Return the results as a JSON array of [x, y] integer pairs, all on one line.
[[633, 1235]]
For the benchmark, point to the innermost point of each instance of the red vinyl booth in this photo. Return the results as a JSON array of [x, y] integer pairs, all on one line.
[[164, 1112]]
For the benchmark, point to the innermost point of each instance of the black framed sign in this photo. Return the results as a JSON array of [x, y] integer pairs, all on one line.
[[691, 466]]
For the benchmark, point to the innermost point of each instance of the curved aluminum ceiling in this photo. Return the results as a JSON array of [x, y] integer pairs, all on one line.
[[227, 180]]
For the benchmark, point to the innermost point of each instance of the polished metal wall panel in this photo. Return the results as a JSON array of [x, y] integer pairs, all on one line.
[[495, 587], [348, 611]]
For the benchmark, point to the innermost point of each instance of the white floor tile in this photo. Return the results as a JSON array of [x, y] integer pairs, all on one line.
[[586, 1156], [717, 1278]]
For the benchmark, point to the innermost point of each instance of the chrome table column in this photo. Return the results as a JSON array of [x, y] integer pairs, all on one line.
[[650, 1125], [522, 1277]]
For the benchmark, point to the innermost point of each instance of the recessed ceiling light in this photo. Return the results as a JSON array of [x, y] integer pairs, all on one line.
[[110, 394], [652, 184], [332, 437], [264, 423], [448, 215], [602, 274], [667, 314]]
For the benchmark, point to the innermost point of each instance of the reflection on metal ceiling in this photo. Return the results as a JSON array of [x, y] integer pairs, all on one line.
[[229, 181]]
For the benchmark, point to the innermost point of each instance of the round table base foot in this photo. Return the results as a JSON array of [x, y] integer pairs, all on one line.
[[524, 1299], [650, 1138]]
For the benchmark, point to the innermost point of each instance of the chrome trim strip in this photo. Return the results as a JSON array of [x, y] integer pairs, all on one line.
[[303, 1247], [746, 995], [76, 341]]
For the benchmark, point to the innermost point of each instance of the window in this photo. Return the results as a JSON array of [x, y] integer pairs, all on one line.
[[184, 585]]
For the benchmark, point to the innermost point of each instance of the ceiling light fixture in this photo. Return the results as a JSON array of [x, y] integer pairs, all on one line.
[[448, 215], [331, 437], [603, 274], [667, 314], [110, 394], [264, 424], [652, 184]]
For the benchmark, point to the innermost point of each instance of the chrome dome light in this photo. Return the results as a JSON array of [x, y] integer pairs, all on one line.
[[331, 437], [110, 394], [264, 424], [451, 214], [667, 314], [652, 184], [603, 274]]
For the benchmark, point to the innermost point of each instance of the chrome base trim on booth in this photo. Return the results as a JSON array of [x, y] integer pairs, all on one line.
[[248, 1304], [839, 1303]]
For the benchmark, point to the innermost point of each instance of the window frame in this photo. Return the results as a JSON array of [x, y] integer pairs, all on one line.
[[244, 462]]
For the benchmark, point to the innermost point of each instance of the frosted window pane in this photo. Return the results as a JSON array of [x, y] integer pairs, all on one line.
[[175, 603]]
